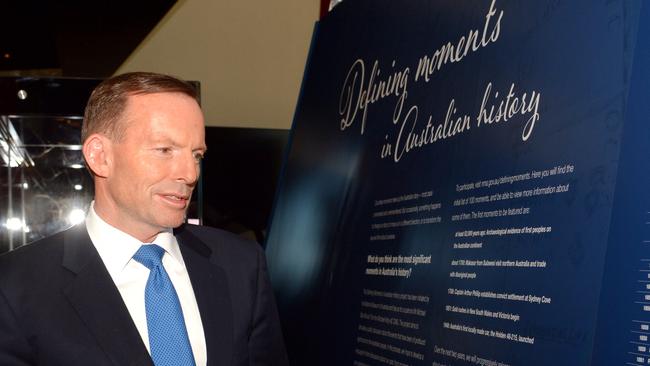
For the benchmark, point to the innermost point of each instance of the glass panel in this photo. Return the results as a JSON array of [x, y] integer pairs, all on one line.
[[44, 186]]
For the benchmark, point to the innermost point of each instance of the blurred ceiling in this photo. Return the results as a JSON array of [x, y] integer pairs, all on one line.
[[84, 39]]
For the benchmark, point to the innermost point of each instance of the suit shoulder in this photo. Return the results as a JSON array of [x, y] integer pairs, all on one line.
[[34, 264], [224, 242], [37, 251]]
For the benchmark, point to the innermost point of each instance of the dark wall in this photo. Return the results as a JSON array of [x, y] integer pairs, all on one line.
[[240, 174]]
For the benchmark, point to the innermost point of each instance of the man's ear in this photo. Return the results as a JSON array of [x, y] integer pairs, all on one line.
[[97, 153]]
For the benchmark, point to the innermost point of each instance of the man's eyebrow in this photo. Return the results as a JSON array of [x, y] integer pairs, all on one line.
[[202, 148], [164, 140]]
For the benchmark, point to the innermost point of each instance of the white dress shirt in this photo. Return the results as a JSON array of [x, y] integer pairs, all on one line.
[[116, 249]]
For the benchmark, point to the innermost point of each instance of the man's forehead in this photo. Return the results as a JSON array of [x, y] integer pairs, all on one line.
[[163, 114], [162, 103]]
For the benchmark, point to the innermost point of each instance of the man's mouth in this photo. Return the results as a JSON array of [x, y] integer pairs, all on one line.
[[174, 197], [177, 200]]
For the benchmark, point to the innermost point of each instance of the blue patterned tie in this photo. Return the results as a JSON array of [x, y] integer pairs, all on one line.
[[168, 340]]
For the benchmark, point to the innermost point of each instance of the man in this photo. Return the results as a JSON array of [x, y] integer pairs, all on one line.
[[124, 288]]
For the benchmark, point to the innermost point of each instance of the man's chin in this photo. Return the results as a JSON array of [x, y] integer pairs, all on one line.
[[172, 223]]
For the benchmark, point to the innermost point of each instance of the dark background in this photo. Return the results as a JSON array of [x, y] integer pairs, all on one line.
[[73, 38]]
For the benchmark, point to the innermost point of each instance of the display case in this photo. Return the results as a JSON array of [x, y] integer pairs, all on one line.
[[45, 187]]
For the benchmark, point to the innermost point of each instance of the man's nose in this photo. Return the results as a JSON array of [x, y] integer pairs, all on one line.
[[188, 169]]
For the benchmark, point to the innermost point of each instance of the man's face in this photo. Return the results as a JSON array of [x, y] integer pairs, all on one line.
[[155, 166]]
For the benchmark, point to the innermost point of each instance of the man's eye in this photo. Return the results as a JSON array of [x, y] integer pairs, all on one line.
[[164, 150], [198, 157]]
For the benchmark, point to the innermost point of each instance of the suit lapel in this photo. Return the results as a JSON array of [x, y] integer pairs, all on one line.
[[98, 302], [212, 296]]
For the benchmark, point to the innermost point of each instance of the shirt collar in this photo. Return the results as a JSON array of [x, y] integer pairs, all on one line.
[[116, 248]]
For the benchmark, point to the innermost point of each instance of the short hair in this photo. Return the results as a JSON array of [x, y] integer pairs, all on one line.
[[109, 99]]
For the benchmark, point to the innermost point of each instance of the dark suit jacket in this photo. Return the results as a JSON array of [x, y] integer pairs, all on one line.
[[59, 306]]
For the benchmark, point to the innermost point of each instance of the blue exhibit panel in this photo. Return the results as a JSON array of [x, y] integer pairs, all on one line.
[[623, 333], [460, 185]]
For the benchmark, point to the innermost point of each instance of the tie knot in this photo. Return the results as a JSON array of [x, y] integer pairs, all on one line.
[[149, 255]]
